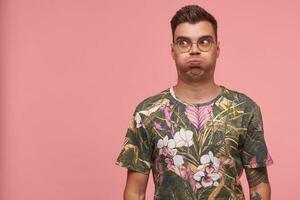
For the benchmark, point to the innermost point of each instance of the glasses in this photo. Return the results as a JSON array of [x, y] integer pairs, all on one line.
[[184, 44]]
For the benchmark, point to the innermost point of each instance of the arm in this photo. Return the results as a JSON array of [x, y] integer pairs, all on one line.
[[258, 183], [136, 185]]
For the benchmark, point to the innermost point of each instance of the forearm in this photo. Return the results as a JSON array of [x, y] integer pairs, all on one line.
[[258, 183], [262, 192], [136, 185], [130, 195]]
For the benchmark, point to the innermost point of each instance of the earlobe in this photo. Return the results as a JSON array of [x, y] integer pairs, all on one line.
[[218, 49], [172, 51]]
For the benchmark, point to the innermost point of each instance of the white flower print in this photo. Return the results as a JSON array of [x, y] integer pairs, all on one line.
[[208, 172], [178, 160], [138, 120], [166, 142], [183, 138], [167, 148]]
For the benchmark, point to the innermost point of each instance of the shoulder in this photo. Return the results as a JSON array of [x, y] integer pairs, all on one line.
[[239, 97], [154, 100]]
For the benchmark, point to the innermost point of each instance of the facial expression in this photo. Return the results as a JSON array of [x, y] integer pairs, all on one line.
[[195, 65]]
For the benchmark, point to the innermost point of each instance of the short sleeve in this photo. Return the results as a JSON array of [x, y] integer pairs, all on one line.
[[254, 151], [136, 152]]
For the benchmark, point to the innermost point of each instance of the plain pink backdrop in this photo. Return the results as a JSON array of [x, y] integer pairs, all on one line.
[[73, 71]]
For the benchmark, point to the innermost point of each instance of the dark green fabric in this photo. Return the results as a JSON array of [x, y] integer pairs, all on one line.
[[196, 151]]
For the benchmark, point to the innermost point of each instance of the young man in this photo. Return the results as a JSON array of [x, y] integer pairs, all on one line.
[[197, 136]]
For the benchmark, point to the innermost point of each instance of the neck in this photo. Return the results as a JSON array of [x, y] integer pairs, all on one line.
[[197, 92]]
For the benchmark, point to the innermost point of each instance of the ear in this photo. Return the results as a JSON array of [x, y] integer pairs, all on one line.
[[172, 51], [218, 49]]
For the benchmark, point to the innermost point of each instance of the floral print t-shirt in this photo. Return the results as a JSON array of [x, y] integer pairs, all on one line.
[[195, 151]]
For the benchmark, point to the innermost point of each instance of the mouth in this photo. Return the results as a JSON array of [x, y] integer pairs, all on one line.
[[194, 63]]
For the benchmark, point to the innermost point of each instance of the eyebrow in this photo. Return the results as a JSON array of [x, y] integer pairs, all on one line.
[[202, 37]]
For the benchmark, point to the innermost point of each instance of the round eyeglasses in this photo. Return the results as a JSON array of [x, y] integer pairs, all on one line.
[[184, 44]]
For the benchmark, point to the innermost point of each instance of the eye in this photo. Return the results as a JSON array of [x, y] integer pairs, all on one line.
[[183, 42], [204, 42]]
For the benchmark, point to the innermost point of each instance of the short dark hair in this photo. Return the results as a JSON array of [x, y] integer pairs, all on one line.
[[193, 14]]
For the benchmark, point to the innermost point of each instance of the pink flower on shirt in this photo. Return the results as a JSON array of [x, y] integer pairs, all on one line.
[[199, 115]]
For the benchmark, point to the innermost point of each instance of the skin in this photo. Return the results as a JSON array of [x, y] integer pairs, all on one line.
[[136, 185], [196, 84], [258, 183]]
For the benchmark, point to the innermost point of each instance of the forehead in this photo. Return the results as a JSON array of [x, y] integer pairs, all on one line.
[[194, 31]]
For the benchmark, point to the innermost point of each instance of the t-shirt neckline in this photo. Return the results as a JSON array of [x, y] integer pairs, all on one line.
[[171, 90]]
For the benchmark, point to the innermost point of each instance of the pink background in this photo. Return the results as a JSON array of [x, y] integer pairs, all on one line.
[[73, 71]]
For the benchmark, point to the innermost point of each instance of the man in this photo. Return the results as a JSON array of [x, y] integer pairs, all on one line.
[[197, 136]]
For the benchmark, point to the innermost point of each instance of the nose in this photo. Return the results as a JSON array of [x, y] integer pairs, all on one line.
[[194, 49]]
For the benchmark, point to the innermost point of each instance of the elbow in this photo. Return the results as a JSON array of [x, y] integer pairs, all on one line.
[[261, 186], [134, 194]]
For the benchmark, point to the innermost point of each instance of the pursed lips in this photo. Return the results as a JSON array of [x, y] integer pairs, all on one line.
[[194, 62]]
